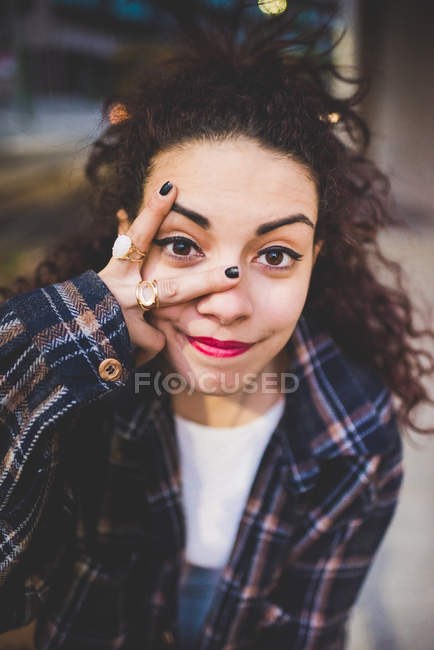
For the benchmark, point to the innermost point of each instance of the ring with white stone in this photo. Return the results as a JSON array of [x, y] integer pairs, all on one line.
[[147, 294], [123, 248]]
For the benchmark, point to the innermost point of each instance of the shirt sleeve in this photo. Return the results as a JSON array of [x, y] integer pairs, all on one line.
[[327, 567], [58, 345]]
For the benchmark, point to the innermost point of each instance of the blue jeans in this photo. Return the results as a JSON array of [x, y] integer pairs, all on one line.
[[196, 593]]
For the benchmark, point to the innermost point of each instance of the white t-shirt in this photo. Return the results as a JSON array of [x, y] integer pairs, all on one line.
[[218, 466]]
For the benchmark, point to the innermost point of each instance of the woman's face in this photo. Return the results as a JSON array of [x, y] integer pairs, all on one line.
[[237, 186]]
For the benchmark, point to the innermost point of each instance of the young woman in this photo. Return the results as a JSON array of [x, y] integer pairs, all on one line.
[[201, 417]]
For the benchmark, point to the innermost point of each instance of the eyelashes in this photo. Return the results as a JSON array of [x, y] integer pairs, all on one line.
[[178, 241], [184, 244], [281, 250]]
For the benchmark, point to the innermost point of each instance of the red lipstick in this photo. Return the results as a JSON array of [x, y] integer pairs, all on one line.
[[216, 348], [216, 343]]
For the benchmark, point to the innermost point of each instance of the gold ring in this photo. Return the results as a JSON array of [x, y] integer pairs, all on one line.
[[147, 294], [123, 247]]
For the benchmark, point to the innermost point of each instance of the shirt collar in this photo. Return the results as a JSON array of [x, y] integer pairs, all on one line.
[[335, 407], [338, 407]]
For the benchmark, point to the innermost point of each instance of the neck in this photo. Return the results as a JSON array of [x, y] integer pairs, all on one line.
[[222, 411]]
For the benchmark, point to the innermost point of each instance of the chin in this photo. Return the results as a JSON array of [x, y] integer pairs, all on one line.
[[208, 380]]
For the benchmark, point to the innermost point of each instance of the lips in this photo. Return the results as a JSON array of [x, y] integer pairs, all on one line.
[[216, 343], [216, 348]]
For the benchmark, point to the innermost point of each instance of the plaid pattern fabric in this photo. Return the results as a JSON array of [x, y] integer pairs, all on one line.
[[92, 530]]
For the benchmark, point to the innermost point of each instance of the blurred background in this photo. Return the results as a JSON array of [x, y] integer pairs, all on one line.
[[60, 58]]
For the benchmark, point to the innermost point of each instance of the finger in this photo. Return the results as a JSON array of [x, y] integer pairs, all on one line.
[[147, 338], [187, 287], [146, 224], [142, 230]]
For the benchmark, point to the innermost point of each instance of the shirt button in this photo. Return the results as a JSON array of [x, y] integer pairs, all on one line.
[[110, 369], [168, 637]]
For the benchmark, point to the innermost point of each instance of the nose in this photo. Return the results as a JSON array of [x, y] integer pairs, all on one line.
[[227, 306]]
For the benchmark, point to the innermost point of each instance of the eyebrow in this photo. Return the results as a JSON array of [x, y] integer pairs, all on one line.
[[204, 223]]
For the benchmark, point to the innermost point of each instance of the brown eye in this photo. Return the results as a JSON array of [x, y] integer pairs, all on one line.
[[274, 257], [181, 247]]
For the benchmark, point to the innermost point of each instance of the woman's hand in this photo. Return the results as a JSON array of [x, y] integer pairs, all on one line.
[[122, 277]]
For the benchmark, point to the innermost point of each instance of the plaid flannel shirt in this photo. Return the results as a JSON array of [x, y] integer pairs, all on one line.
[[92, 529]]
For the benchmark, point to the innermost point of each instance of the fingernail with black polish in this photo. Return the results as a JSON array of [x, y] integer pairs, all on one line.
[[165, 189], [232, 272]]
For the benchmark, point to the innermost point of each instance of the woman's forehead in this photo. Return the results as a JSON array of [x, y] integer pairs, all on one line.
[[236, 175]]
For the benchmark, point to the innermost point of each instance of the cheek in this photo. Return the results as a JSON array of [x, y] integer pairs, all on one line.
[[280, 304], [165, 318]]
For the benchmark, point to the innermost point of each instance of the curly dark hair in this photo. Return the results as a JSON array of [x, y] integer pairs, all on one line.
[[231, 76]]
